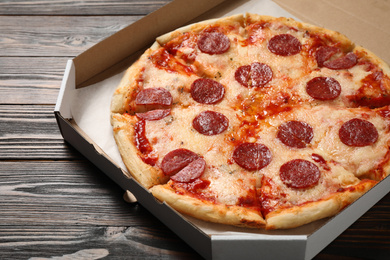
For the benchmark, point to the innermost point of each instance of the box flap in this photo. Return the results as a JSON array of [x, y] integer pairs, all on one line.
[[110, 55]]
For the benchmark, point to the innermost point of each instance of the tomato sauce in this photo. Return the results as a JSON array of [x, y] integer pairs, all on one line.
[[143, 145], [195, 189], [250, 201], [162, 59], [373, 92]]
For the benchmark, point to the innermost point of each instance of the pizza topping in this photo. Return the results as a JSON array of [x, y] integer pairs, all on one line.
[[210, 123], [295, 134], [190, 172], [152, 115], [213, 43], [207, 91], [323, 88], [373, 92], [344, 62], [252, 156], [284, 45], [299, 174], [154, 96], [384, 112], [324, 53], [176, 160], [162, 59], [142, 143], [254, 75], [332, 58], [320, 160], [358, 132]]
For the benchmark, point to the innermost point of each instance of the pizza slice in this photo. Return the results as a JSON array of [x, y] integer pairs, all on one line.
[[322, 161], [220, 194]]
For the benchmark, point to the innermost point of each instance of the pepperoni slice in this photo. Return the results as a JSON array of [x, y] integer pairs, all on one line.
[[254, 75], [295, 134], [154, 96], [207, 91], [324, 53], [152, 115], [284, 45], [210, 123], [190, 172], [323, 88], [213, 43], [176, 160], [358, 132], [320, 160], [344, 62], [252, 156], [299, 174]]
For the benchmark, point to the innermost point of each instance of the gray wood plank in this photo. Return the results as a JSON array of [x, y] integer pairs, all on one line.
[[88, 7], [31, 80], [31, 132], [92, 242], [56, 36], [63, 193]]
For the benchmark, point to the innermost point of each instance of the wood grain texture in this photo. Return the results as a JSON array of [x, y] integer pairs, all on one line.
[[91, 242], [30, 80], [56, 36], [62, 193], [85, 8], [31, 132]]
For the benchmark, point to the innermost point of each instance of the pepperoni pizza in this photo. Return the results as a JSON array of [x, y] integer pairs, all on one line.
[[255, 121]]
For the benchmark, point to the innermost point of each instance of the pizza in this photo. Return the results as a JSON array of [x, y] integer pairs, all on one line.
[[255, 121]]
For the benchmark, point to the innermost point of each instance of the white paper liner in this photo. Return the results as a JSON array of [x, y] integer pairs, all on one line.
[[91, 112]]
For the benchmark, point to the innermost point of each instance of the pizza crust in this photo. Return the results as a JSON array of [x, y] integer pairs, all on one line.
[[208, 211], [145, 174], [374, 59], [312, 211], [197, 27], [344, 42]]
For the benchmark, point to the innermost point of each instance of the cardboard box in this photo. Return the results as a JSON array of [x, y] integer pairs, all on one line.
[[87, 76]]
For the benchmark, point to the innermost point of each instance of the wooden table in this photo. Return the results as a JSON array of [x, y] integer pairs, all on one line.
[[53, 202]]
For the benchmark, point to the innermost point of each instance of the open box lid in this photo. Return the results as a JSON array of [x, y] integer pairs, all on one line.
[[116, 53]]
